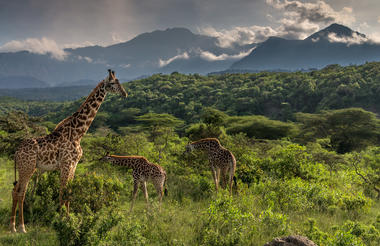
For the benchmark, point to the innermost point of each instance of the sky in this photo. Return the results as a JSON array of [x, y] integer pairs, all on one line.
[[51, 25]]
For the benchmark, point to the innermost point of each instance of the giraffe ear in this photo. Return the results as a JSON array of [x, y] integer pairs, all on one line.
[[110, 73]]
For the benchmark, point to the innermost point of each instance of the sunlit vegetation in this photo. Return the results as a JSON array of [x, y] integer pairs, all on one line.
[[306, 145]]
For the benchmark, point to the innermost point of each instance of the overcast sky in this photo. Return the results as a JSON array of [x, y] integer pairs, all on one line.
[[49, 24]]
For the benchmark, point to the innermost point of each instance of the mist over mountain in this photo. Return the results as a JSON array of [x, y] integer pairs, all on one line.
[[178, 49], [335, 44]]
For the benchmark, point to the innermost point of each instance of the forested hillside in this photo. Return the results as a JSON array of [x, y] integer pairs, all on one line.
[[306, 146]]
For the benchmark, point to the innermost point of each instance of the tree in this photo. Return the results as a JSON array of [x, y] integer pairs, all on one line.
[[161, 128], [348, 129]]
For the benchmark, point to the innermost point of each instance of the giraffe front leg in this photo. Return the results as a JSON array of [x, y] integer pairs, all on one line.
[[143, 186], [134, 193], [64, 179], [214, 175]]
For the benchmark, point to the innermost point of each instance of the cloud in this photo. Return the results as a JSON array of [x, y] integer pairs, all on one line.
[[86, 58], [354, 39], [78, 45], [39, 46], [116, 38], [163, 63], [240, 35], [206, 55], [298, 20], [125, 66], [317, 12]]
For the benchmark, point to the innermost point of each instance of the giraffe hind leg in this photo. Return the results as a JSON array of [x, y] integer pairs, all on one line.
[[14, 207], [26, 165], [23, 185]]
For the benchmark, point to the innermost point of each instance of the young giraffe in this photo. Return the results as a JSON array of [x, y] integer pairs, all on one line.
[[142, 171], [220, 160], [60, 150]]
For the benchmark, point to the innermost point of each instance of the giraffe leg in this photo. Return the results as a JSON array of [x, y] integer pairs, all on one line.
[[26, 170], [159, 185], [21, 196], [214, 175], [134, 193], [231, 177], [14, 207], [71, 177], [143, 184], [64, 179], [224, 178]]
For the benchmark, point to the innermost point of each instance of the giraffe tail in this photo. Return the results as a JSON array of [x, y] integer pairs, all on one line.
[[165, 190], [235, 182]]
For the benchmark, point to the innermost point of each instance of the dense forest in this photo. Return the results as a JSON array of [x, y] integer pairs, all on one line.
[[306, 145]]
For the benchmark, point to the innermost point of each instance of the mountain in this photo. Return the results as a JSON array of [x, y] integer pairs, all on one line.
[[335, 44], [57, 94], [16, 82], [161, 51], [178, 49]]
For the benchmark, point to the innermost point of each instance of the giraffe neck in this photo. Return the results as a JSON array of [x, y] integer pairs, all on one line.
[[81, 120]]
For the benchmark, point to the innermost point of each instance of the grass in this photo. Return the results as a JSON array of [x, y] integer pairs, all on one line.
[[177, 222]]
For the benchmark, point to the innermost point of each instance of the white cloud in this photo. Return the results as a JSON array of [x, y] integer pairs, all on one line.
[[38, 46], [116, 38], [125, 66], [206, 55], [299, 20], [240, 35], [316, 12], [163, 63], [86, 58], [354, 39], [78, 45]]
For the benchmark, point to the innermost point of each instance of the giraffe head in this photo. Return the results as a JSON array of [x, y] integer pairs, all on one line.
[[107, 157], [189, 148], [113, 85]]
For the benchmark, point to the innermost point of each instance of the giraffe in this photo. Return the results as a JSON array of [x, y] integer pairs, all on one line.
[[60, 150], [220, 160], [142, 171]]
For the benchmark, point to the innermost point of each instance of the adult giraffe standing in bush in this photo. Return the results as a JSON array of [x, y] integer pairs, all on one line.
[[60, 150], [220, 159]]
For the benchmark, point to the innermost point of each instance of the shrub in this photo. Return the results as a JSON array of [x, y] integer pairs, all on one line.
[[224, 224], [86, 228]]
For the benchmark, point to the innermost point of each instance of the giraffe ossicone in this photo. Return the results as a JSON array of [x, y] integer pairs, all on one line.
[[60, 150]]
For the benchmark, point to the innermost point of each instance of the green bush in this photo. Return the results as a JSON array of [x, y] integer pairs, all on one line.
[[225, 224], [86, 228]]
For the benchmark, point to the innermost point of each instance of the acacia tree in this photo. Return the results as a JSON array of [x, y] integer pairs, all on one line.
[[348, 129], [161, 128]]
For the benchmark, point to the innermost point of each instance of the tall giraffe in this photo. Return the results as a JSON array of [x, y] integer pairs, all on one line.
[[60, 150], [142, 171], [220, 160]]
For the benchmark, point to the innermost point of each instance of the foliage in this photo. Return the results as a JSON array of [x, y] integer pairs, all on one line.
[[224, 224], [16, 126], [348, 129]]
